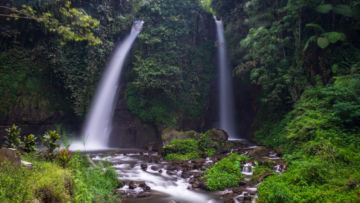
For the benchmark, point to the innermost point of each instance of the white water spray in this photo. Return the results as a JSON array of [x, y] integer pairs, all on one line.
[[97, 129], [226, 97]]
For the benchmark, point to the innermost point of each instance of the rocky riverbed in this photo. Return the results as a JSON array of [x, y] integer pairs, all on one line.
[[149, 178]]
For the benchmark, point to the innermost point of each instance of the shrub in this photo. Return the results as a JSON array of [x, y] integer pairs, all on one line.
[[64, 157], [225, 173], [207, 145], [51, 142], [12, 140], [181, 149], [29, 143]]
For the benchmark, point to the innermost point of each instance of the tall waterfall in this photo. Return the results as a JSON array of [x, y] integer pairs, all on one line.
[[226, 95], [97, 128]]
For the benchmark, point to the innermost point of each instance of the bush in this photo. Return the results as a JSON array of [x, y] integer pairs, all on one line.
[[225, 173], [207, 145], [64, 157], [12, 140], [181, 149], [29, 143], [51, 142]]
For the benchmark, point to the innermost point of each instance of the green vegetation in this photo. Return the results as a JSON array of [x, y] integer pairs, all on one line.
[[171, 63], [225, 173], [56, 176], [49, 182], [321, 140], [259, 171], [192, 148], [181, 150], [13, 137], [302, 60]]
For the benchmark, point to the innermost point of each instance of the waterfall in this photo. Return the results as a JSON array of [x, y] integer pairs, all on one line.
[[226, 97], [97, 129]]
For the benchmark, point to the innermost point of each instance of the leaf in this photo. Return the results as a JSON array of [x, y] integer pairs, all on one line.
[[344, 10], [316, 26], [323, 42], [311, 39], [333, 37], [324, 8]]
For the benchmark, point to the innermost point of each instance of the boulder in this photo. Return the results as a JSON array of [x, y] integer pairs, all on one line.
[[259, 152], [11, 155], [168, 135], [218, 135]]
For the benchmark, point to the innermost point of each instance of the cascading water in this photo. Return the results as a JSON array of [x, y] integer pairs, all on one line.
[[97, 129], [226, 97]]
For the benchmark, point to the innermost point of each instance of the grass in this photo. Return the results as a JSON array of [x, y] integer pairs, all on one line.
[[50, 182]]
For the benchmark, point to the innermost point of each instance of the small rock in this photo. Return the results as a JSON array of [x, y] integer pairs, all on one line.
[[143, 194], [196, 184], [26, 164], [154, 168], [132, 185], [144, 166], [242, 183], [160, 171], [144, 186]]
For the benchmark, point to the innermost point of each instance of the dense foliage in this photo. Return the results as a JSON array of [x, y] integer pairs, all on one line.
[[202, 145], [171, 65], [302, 59], [225, 173]]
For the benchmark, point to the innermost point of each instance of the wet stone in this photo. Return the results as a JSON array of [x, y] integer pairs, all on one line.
[[154, 168], [144, 167], [143, 194]]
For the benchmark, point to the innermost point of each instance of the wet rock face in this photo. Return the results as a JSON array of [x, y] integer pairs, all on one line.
[[128, 130]]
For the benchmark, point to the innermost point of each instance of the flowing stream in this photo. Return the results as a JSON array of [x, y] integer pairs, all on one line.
[[226, 95], [166, 185], [95, 135]]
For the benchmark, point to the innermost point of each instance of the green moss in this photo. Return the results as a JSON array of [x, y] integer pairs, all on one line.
[[225, 173]]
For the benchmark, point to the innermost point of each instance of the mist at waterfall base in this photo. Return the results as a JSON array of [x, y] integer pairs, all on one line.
[[97, 128], [226, 94]]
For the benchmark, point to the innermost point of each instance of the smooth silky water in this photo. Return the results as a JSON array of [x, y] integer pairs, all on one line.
[[226, 94], [164, 187], [97, 128]]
